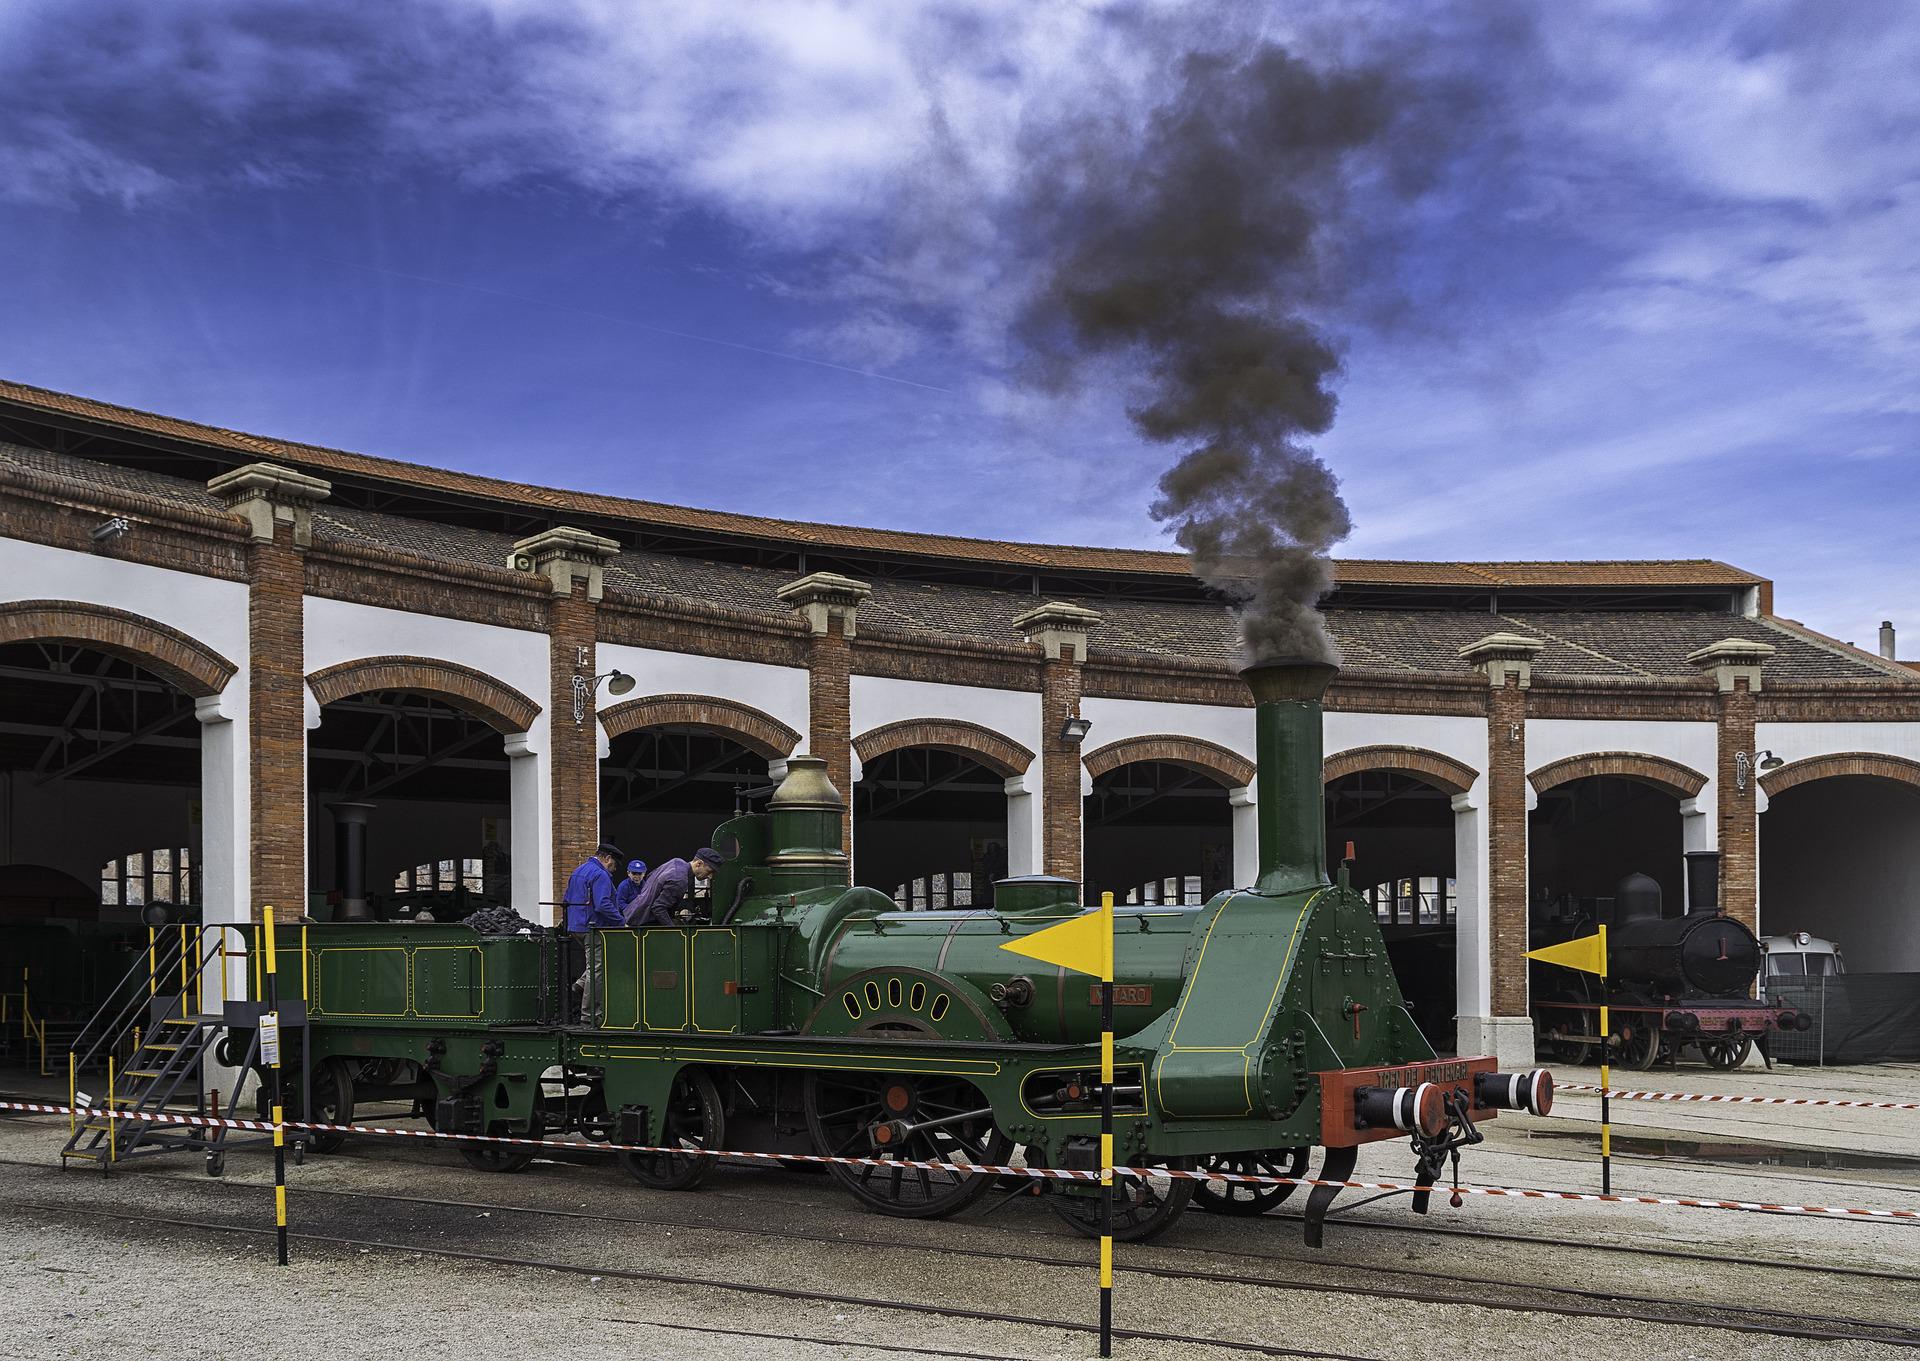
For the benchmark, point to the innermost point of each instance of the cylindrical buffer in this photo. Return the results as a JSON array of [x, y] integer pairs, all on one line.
[[350, 860], [1291, 798]]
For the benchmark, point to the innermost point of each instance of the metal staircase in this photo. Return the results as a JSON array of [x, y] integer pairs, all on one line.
[[162, 1020]]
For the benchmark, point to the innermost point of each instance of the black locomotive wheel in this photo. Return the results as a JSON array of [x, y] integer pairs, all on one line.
[[902, 1119], [332, 1103], [506, 1157], [1641, 1048], [1726, 1053], [1143, 1207], [1237, 1198], [696, 1118]]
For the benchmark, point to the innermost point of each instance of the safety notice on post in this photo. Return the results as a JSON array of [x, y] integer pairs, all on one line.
[[270, 1038]]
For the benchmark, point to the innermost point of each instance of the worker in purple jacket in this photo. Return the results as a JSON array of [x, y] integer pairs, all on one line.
[[670, 883]]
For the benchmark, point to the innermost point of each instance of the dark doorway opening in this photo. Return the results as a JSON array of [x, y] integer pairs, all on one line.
[[1158, 832], [930, 828]]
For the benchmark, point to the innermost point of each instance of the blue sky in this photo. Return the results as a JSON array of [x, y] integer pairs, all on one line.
[[1660, 298]]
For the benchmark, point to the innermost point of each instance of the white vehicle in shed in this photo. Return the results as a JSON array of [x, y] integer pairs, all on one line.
[[1797, 956]]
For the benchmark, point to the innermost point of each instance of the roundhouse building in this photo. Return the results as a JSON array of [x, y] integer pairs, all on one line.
[[237, 670]]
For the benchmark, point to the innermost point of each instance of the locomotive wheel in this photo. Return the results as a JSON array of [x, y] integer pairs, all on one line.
[[506, 1157], [696, 1118], [1237, 1198], [1143, 1207], [332, 1104], [1641, 1050], [874, 1115], [1726, 1053]]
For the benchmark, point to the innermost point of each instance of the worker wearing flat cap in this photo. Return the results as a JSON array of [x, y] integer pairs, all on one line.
[[670, 882], [589, 896]]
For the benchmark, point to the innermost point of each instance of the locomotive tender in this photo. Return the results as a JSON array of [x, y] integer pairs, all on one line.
[[809, 1016]]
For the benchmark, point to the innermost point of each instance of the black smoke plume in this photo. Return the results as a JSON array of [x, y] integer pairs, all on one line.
[[1199, 241]]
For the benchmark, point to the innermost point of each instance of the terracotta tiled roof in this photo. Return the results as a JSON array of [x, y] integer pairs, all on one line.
[[1642, 644], [849, 538]]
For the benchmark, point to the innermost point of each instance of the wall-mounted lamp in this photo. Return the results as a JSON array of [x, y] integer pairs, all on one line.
[[1744, 763], [618, 683], [109, 530], [1075, 729]]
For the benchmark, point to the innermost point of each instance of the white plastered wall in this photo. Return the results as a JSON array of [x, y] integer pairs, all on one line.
[[1693, 745], [339, 631], [1013, 714], [208, 610], [776, 691]]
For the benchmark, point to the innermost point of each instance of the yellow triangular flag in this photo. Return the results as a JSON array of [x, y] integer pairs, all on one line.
[[1083, 944], [1587, 954]]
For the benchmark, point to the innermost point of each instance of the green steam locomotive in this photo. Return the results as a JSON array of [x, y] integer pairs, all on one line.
[[810, 1017]]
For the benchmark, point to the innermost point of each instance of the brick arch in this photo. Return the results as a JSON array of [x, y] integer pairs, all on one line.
[[1223, 764], [1442, 772], [176, 658], [1002, 755], [1683, 782], [1812, 768], [762, 734], [463, 687]]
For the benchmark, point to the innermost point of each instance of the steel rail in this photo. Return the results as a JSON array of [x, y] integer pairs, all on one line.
[[1904, 1335], [703, 1283]]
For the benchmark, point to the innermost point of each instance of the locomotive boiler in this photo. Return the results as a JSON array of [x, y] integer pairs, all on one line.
[[1674, 981]]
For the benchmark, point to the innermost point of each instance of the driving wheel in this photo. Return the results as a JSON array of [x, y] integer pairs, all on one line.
[[904, 1122]]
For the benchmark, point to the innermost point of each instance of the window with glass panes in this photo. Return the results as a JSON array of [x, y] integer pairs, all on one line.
[[162, 875], [1423, 901], [936, 892], [442, 876]]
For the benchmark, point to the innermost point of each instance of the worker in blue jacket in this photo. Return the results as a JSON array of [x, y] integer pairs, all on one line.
[[589, 904], [589, 896], [628, 888]]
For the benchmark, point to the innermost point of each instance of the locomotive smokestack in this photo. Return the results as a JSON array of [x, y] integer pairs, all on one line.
[[1292, 798], [1703, 881]]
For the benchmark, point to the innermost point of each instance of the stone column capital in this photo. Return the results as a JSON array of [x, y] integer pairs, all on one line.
[[1501, 657], [821, 597], [1732, 660], [565, 555], [1061, 628], [266, 493]]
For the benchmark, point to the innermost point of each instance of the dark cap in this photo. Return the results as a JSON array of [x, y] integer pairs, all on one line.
[[636, 867], [611, 851], [711, 856]]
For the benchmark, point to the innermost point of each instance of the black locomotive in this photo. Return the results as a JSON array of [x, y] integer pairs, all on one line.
[[1675, 981]]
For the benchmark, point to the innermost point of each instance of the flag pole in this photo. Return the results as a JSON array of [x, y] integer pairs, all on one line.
[[1606, 1076], [1106, 1126]]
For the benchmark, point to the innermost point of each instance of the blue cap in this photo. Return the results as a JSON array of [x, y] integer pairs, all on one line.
[[636, 867]]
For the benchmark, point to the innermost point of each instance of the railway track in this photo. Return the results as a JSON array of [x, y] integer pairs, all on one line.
[[121, 1216], [1527, 1298]]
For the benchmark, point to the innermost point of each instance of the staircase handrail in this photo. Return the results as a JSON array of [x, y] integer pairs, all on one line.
[[152, 960]]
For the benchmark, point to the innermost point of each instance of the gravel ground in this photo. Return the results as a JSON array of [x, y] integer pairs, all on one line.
[[82, 1276]]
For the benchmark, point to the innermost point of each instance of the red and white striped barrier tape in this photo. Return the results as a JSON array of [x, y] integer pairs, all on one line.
[[970, 1169], [1619, 1095]]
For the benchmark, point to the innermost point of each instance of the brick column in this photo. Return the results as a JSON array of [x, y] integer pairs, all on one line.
[[277, 504], [1061, 631], [1506, 659], [1735, 665], [571, 560], [830, 603]]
